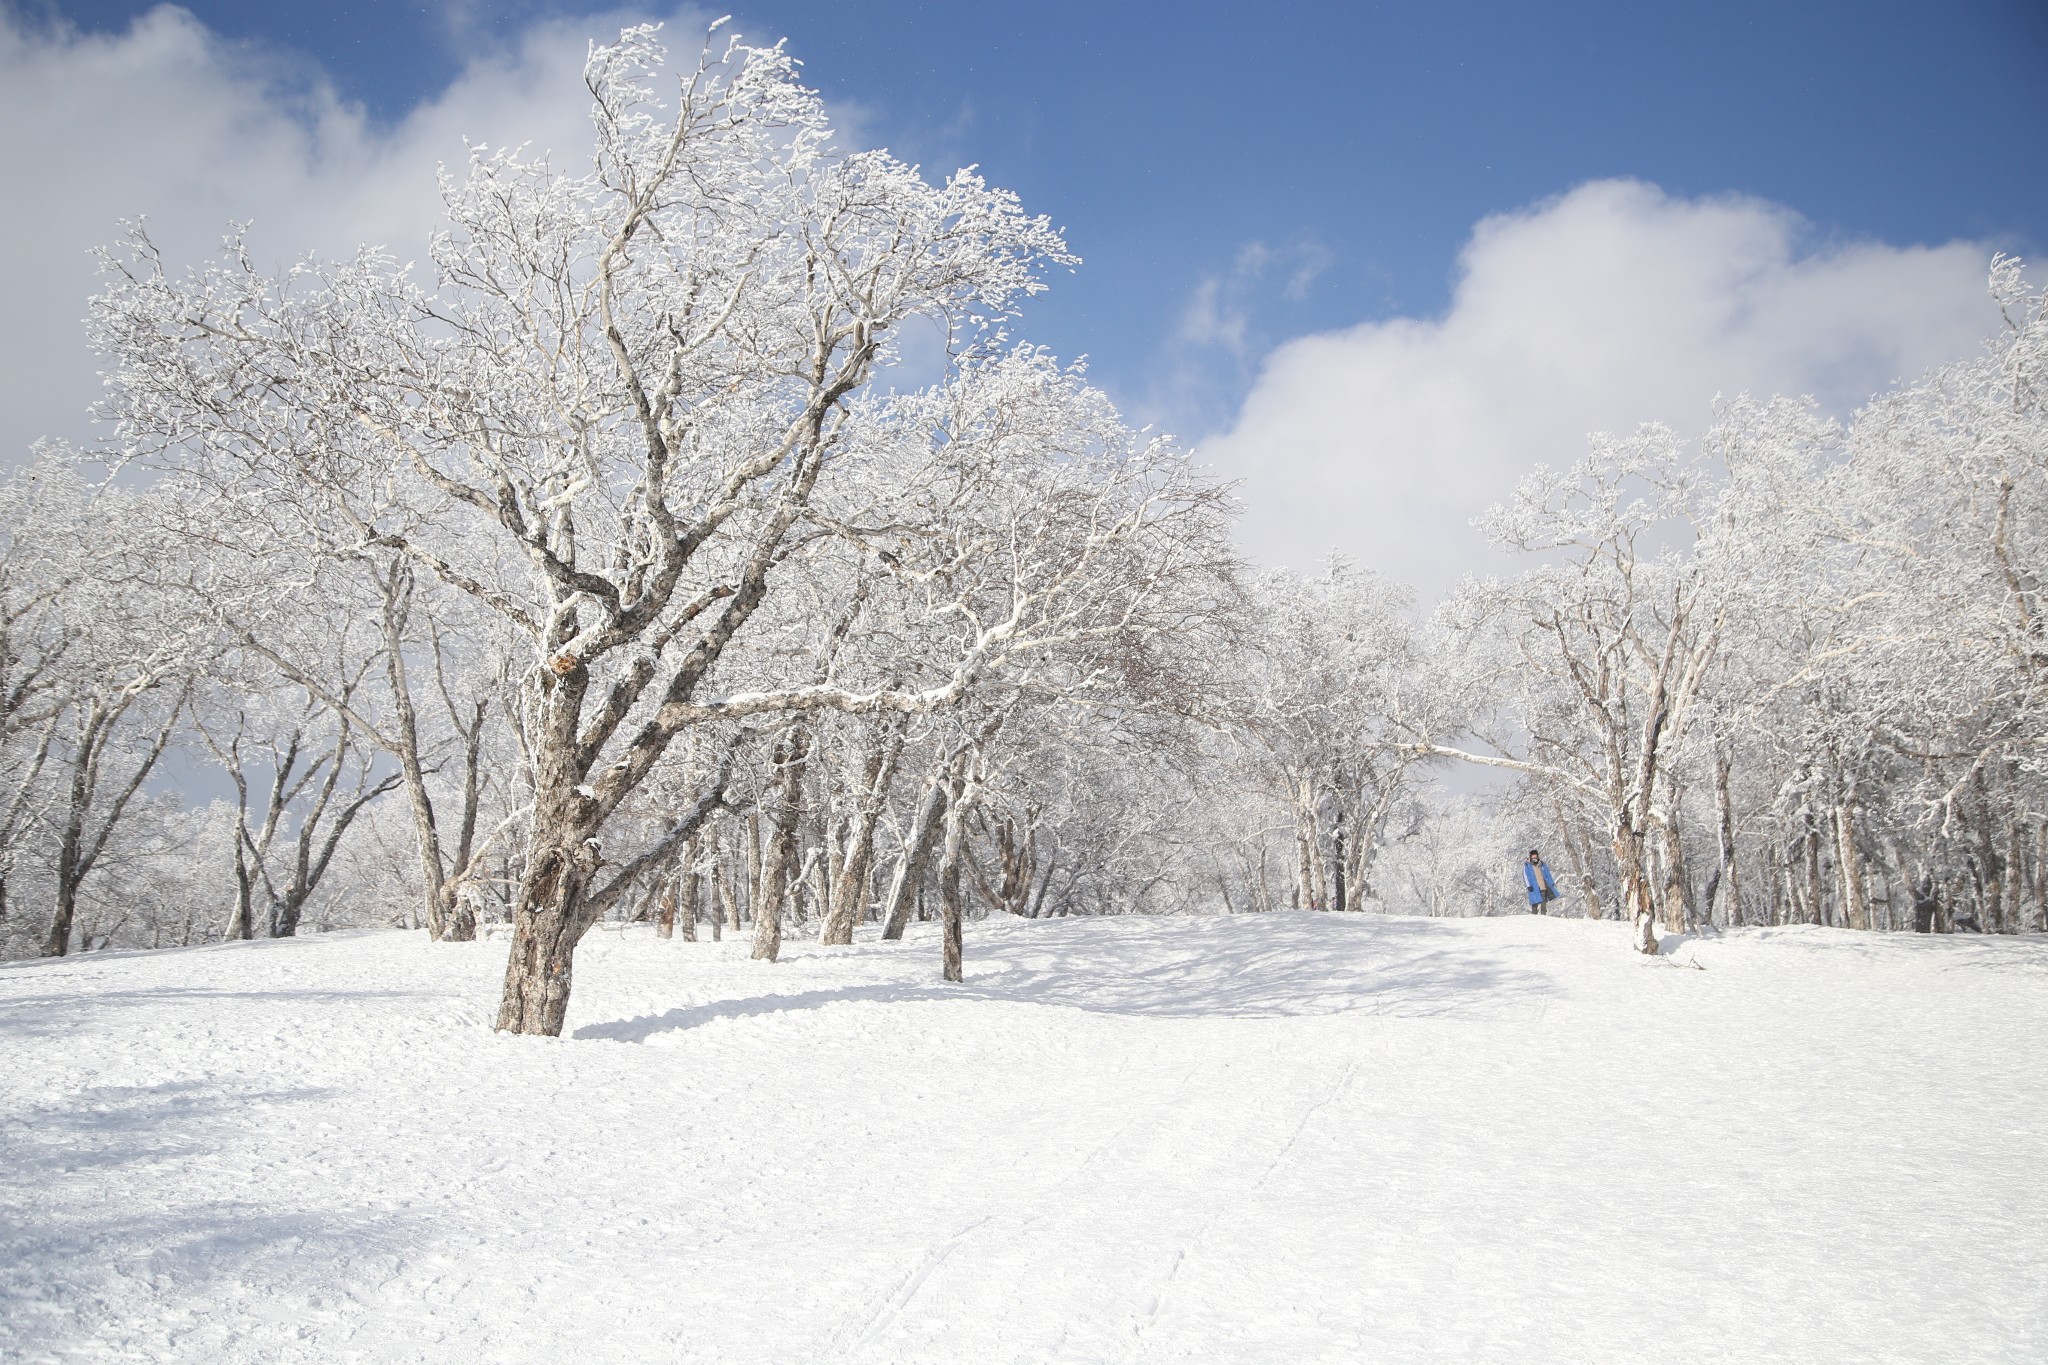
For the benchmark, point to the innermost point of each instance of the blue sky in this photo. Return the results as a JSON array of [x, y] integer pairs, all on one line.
[[1164, 136], [1241, 177]]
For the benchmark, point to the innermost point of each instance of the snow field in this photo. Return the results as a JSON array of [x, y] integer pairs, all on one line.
[[1261, 1138]]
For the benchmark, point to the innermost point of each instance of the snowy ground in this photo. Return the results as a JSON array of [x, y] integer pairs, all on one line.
[[1262, 1139]]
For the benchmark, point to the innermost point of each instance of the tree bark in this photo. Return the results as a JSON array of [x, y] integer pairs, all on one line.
[[1728, 891], [1338, 868], [848, 895], [1635, 888], [665, 917], [558, 899], [445, 918], [917, 853], [1849, 869], [688, 889], [728, 907], [950, 906], [548, 921], [1816, 893], [1677, 888], [779, 858]]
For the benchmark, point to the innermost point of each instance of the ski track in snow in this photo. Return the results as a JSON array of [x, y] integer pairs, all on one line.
[[1294, 1138]]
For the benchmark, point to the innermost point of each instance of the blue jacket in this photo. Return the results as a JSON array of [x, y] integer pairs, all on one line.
[[1546, 892]]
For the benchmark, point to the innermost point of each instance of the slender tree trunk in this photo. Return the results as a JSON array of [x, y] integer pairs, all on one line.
[[1849, 870], [1779, 893], [1926, 906], [1305, 860], [1578, 843], [242, 920], [778, 859], [1045, 884], [78, 852], [847, 898], [917, 852], [2015, 878], [688, 890], [2040, 879], [1338, 869], [441, 924], [728, 898], [665, 918], [58, 942], [750, 843], [1816, 900], [1578, 866], [1728, 890], [949, 890], [818, 884]]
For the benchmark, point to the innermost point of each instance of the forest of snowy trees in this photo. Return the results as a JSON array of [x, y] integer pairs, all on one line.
[[690, 540]]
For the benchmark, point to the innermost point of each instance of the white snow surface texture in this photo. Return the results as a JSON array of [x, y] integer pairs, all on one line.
[[1275, 1138]]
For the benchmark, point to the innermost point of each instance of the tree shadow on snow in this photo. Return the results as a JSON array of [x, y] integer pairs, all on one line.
[[85, 1283], [88, 1244], [103, 1127], [1239, 967], [56, 1014]]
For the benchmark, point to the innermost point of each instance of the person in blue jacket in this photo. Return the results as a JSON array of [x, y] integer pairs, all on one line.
[[1542, 890]]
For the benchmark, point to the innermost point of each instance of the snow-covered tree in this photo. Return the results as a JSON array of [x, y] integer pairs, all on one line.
[[625, 405]]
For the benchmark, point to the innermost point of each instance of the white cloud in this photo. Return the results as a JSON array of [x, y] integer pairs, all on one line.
[[167, 120], [1219, 314], [1609, 306], [1212, 319]]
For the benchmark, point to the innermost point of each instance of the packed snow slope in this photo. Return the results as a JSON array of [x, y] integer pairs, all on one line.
[[1262, 1139]]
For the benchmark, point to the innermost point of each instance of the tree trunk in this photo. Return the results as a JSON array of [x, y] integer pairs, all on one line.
[[1677, 888], [768, 897], [2040, 879], [2015, 880], [665, 918], [949, 890], [1578, 845], [58, 943], [1045, 885], [729, 896], [426, 828], [1926, 906], [1338, 868], [778, 859], [1849, 870], [750, 843], [688, 890], [242, 919], [1728, 891], [847, 897], [1304, 859], [548, 922], [1816, 900], [1635, 887], [917, 852], [78, 852]]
